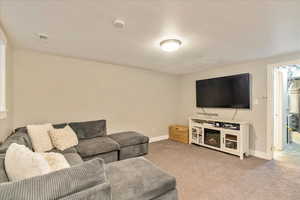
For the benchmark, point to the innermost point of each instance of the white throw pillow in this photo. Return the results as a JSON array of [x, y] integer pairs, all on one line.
[[63, 138], [56, 161], [39, 135], [21, 162]]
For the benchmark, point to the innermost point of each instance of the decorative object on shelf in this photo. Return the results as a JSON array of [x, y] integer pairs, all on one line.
[[179, 133]]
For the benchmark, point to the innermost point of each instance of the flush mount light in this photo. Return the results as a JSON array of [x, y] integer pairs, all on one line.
[[170, 45]]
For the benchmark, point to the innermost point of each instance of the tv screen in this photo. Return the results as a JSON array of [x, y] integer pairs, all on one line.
[[224, 92]]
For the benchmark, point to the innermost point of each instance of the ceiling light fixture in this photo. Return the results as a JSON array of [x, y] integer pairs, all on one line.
[[170, 45]]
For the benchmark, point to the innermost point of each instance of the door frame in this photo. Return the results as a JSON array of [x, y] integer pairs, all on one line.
[[280, 108], [270, 103]]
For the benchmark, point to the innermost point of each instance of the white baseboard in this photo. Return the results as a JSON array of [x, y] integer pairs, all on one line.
[[159, 138], [260, 154]]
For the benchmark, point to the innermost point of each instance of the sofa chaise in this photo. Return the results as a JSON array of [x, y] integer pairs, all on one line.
[[131, 179]]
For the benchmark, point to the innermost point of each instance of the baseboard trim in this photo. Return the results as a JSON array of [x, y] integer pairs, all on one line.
[[260, 154], [159, 138]]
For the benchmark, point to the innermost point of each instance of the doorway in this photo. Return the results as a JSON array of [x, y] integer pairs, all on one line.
[[286, 113]]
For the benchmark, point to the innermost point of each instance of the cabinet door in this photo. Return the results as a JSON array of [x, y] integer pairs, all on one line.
[[197, 135], [231, 142]]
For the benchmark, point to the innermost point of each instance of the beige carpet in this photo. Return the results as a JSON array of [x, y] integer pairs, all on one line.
[[206, 174]]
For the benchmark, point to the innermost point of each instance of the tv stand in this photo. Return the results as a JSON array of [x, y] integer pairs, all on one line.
[[223, 135]]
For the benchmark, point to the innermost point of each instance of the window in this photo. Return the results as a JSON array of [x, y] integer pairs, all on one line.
[[2, 78]]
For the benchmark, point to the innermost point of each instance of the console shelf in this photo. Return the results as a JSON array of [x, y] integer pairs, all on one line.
[[224, 135]]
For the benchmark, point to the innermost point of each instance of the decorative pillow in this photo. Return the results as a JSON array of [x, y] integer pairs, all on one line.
[[39, 135], [56, 161], [21, 163], [63, 138], [89, 129]]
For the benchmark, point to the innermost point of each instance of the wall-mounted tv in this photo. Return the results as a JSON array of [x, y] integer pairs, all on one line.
[[224, 92]]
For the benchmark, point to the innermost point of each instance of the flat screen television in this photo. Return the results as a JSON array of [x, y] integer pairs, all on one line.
[[224, 92]]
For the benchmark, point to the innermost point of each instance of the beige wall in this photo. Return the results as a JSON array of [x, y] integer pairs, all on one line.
[[55, 89]]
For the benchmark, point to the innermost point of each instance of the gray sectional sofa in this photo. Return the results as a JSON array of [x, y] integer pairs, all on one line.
[[103, 167], [93, 141]]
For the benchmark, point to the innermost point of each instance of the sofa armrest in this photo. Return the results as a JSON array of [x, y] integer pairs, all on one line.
[[19, 138], [57, 184]]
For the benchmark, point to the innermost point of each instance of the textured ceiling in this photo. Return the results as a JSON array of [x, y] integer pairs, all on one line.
[[213, 32]]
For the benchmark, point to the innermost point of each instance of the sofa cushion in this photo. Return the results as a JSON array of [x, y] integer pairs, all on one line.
[[69, 150], [62, 125], [89, 129], [171, 195], [24, 129], [98, 145], [73, 158], [133, 151], [137, 178], [3, 176], [21, 129], [107, 157], [67, 182], [129, 138], [18, 138], [98, 192]]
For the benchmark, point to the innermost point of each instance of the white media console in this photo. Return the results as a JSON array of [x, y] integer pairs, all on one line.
[[224, 135]]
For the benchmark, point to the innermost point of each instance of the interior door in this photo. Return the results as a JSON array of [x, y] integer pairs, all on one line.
[[280, 109]]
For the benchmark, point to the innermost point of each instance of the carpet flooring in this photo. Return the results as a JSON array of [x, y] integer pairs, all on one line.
[[203, 174]]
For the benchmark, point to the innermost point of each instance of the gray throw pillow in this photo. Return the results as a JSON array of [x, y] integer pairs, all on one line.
[[57, 184], [89, 129]]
